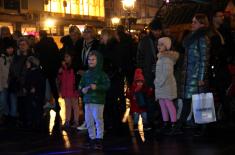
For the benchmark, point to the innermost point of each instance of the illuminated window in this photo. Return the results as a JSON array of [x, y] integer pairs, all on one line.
[[78, 7], [81, 8], [101, 11], [28, 29], [86, 7], [75, 7]]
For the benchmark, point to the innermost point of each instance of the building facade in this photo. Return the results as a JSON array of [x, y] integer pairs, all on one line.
[[143, 11], [55, 16]]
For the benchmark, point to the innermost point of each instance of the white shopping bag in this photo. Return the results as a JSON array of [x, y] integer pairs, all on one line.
[[203, 108]]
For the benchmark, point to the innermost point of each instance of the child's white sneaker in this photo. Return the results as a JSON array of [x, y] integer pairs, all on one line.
[[82, 127]]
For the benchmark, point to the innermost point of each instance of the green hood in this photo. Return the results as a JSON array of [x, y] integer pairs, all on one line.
[[99, 65]]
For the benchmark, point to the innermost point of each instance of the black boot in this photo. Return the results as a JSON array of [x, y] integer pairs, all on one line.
[[135, 127], [165, 128], [200, 131], [174, 130], [90, 144], [98, 144]]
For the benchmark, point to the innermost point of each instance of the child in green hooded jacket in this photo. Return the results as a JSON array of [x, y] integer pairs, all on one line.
[[93, 85]]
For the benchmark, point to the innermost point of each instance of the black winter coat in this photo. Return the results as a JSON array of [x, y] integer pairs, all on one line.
[[146, 58], [48, 54], [34, 79]]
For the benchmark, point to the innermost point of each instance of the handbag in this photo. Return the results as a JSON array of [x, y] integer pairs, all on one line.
[[203, 108]]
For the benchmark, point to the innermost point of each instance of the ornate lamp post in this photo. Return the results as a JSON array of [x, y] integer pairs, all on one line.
[[50, 23], [115, 21], [128, 6], [64, 5], [167, 1]]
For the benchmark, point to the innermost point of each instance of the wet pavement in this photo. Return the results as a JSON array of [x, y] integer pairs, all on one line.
[[218, 141]]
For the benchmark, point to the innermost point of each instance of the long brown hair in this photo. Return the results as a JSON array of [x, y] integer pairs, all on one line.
[[202, 19]]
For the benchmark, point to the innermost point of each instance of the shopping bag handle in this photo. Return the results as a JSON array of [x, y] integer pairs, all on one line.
[[201, 89]]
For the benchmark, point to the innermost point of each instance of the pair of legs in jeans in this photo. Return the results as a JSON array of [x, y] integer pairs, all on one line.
[[136, 119], [8, 103], [94, 120], [51, 88], [3, 103]]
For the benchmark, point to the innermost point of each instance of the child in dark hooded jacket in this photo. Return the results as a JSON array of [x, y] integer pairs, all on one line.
[[34, 87]]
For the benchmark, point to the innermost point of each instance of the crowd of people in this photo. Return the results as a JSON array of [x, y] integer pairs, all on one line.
[[158, 70]]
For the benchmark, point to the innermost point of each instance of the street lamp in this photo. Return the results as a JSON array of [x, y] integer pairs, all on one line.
[[167, 1], [49, 23], [115, 21], [128, 6]]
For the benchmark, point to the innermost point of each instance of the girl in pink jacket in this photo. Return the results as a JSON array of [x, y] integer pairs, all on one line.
[[68, 90]]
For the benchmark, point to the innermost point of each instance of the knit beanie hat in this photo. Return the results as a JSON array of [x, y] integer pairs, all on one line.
[[166, 41], [155, 24], [138, 75], [8, 42]]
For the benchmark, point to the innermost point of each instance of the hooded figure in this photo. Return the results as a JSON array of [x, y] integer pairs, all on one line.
[[138, 94], [138, 75], [95, 75], [34, 78], [138, 104], [34, 89]]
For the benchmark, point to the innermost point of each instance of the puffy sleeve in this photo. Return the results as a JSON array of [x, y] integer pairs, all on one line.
[[204, 46]]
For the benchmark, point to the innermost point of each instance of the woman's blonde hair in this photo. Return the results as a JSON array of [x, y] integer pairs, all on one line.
[[74, 28]]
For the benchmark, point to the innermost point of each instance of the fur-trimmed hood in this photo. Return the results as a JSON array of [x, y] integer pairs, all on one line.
[[173, 55]]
